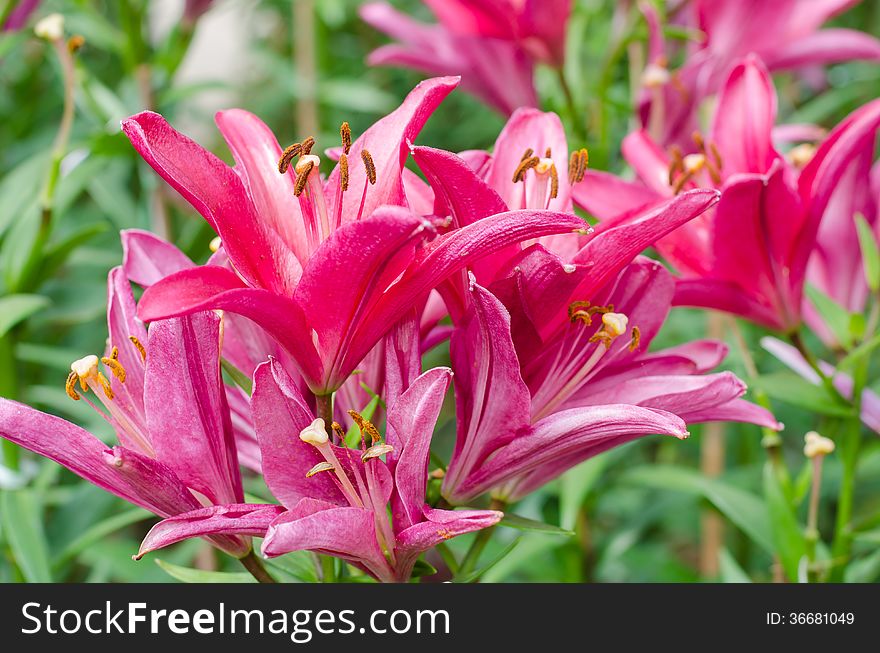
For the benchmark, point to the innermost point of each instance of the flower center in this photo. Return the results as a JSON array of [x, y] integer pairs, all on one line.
[[687, 169]]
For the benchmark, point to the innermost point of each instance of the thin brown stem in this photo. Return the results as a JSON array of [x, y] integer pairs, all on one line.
[[253, 564]]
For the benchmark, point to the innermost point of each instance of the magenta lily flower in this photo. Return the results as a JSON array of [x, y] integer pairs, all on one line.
[[768, 211], [163, 394], [17, 14], [538, 392], [786, 34], [323, 267], [492, 44], [338, 499]]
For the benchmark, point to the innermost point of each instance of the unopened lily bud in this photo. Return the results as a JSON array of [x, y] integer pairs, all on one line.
[[50, 28], [315, 433], [817, 445]]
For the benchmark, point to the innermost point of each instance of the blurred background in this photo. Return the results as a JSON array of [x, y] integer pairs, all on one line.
[[655, 510]]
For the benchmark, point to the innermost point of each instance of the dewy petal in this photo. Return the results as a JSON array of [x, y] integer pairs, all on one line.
[[215, 191], [387, 141], [411, 421], [256, 153], [824, 47], [280, 414], [187, 412], [744, 119], [148, 259], [347, 533], [233, 519], [566, 438], [214, 288], [607, 196]]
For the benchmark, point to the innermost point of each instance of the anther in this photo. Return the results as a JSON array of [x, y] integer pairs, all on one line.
[[113, 364], [343, 172], [365, 426], [548, 153], [613, 325], [302, 178], [139, 347], [320, 467], [287, 156], [345, 134], [307, 145], [376, 451], [554, 181], [524, 165], [636, 338], [105, 384], [315, 433], [527, 154], [75, 42], [369, 165], [70, 386], [577, 164], [336, 427]]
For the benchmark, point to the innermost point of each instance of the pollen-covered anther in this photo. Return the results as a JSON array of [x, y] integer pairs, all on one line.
[[137, 344], [343, 172], [527, 154], [290, 152], [339, 432], [613, 325], [577, 165], [113, 364], [307, 146], [370, 167], [345, 135], [579, 312], [315, 433], [376, 451], [320, 467], [70, 386], [526, 164], [635, 338], [303, 170], [366, 426], [554, 182]]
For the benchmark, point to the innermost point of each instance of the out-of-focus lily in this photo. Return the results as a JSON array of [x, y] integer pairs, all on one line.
[[164, 396], [338, 498], [748, 256], [324, 267], [492, 44], [785, 34], [15, 14], [539, 389]]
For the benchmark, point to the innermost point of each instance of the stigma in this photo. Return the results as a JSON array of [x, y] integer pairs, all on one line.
[[315, 433], [85, 372]]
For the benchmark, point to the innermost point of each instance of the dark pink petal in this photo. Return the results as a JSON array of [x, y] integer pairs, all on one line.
[[744, 119], [543, 25], [648, 160], [280, 414], [403, 357], [607, 196], [234, 519], [187, 413], [724, 296], [148, 259], [825, 47], [215, 191], [411, 421], [256, 153], [211, 287], [387, 141], [347, 533]]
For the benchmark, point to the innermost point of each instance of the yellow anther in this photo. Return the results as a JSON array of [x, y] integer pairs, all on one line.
[[527, 154], [303, 172], [577, 165], [817, 445], [141, 350], [366, 426], [376, 451], [287, 156], [315, 433], [584, 311], [345, 134], [307, 145], [343, 172], [113, 364], [369, 166], [636, 338], [105, 384], [524, 165], [75, 42], [554, 182], [70, 386], [320, 467]]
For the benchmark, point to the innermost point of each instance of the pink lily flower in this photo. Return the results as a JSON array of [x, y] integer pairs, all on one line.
[[338, 498], [538, 392], [492, 44], [785, 34], [323, 267], [768, 209], [162, 392], [19, 11]]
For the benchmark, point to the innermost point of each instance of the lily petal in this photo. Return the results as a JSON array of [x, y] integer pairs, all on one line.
[[147, 259]]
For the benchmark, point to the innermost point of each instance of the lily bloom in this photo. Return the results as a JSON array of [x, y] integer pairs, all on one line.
[[769, 211], [323, 266], [492, 44], [785, 34], [16, 14], [163, 394], [342, 501], [538, 392]]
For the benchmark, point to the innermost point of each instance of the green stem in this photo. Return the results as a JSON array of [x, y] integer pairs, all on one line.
[[253, 564], [798, 342], [328, 569], [472, 557], [569, 101], [811, 534], [448, 557]]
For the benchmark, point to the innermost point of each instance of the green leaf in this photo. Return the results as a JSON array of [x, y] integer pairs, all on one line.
[[857, 354], [99, 531], [423, 568], [298, 565], [744, 509], [21, 516], [863, 570], [870, 252], [576, 486], [58, 253], [15, 308], [730, 571], [525, 524], [238, 377], [476, 575], [833, 314], [353, 435], [794, 390], [788, 534], [189, 575]]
